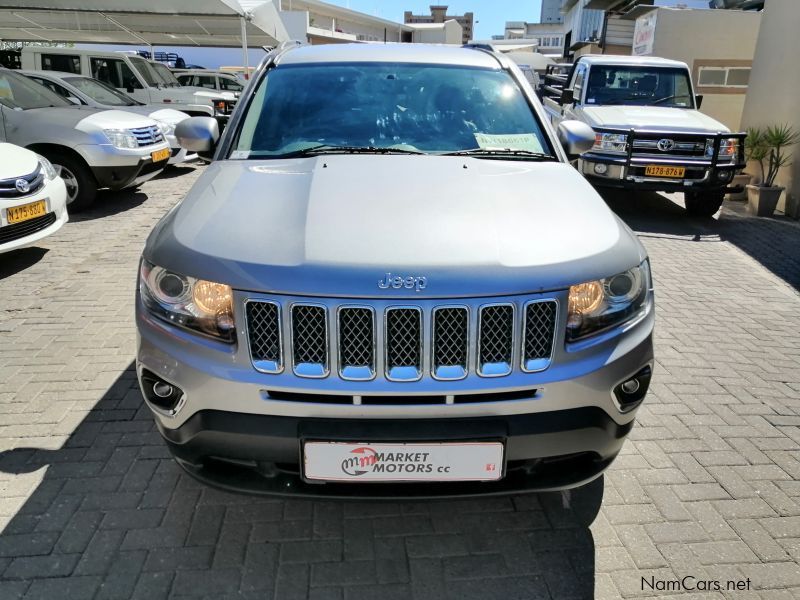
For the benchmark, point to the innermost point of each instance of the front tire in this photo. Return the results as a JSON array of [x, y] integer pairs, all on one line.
[[703, 204], [80, 183]]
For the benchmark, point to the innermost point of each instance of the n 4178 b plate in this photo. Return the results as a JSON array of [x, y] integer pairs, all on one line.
[[430, 461]]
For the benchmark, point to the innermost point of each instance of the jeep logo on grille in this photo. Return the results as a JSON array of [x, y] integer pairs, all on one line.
[[397, 282], [665, 145]]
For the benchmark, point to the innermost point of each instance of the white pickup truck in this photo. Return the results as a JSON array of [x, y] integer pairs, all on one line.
[[649, 132]]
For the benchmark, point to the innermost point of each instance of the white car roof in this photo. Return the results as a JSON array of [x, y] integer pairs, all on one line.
[[638, 61], [397, 53]]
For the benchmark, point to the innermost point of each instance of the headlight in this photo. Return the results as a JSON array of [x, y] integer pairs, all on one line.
[[611, 142], [598, 305], [121, 138], [165, 128], [196, 304], [727, 148], [48, 169]]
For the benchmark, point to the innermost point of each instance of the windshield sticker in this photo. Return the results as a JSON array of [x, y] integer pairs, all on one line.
[[509, 141], [240, 154], [590, 101]]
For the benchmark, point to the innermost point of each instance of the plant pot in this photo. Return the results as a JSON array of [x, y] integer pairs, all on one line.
[[792, 206], [762, 200], [742, 179]]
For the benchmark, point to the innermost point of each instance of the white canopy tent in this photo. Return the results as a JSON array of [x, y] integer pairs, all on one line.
[[221, 23]]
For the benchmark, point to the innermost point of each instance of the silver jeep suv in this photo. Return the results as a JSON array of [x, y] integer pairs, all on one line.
[[391, 282]]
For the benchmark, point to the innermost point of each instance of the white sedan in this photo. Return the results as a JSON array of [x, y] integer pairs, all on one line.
[[33, 198]]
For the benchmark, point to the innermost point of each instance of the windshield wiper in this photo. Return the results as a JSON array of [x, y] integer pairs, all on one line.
[[501, 153], [660, 100], [328, 149]]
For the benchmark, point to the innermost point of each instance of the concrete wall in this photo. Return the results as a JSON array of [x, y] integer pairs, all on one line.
[[719, 37], [772, 97]]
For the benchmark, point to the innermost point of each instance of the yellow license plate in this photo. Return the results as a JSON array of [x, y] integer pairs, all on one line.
[[160, 155], [662, 171], [17, 214]]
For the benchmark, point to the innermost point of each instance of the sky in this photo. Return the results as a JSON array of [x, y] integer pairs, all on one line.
[[491, 17]]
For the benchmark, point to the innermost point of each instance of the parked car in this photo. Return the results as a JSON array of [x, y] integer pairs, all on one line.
[[392, 283], [130, 74], [651, 134], [33, 198], [212, 80], [91, 92], [94, 148]]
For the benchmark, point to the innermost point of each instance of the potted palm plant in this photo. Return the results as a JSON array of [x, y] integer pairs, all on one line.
[[767, 147]]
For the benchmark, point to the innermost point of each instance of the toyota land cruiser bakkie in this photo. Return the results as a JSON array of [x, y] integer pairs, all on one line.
[[391, 282], [649, 131]]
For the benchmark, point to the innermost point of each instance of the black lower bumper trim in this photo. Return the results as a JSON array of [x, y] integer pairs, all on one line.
[[261, 454]]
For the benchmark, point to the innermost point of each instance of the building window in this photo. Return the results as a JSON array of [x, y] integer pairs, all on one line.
[[731, 77]]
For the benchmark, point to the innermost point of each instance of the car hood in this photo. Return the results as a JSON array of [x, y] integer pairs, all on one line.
[[653, 118], [16, 161], [89, 119], [335, 225], [211, 94], [157, 112]]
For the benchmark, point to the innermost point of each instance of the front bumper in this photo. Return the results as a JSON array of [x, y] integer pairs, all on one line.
[[26, 233], [117, 168], [243, 430], [261, 454]]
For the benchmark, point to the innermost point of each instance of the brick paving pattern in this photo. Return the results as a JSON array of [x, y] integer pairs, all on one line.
[[91, 506]]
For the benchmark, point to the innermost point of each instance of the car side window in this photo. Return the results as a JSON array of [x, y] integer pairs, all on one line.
[[577, 86], [61, 62], [205, 81], [185, 79], [53, 87], [229, 85], [114, 72]]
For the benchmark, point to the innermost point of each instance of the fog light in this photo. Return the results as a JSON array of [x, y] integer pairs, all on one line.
[[632, 391], [601, 168], [161, 395], [631, 386], [725, 175]]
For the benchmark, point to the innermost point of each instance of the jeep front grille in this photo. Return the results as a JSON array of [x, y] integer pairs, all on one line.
[[264, 336], [401, 343], [356, 326], [310, 340], [450, 342]]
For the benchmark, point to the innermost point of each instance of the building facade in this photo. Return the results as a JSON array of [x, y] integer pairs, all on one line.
[[581, 24], [439, 15], [551, 12], [549, 37]]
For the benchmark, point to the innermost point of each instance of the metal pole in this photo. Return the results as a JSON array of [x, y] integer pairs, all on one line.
[[244, 48]]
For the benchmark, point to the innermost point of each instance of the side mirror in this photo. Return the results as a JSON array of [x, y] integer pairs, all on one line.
[[74, 100], [198, 134], [576, 137], [698, 100], [567, 96]]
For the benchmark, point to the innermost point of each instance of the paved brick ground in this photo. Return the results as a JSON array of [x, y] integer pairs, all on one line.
[[92, 507]]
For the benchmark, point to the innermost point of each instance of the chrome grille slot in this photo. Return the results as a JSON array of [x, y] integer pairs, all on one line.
[[310, 340], [147, 136], [264, 336], [356, 327], [539, 329], [403, 343], [450, 342], [495, 340]]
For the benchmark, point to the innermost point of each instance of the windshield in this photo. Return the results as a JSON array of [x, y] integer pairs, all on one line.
[[639, 86], [145, 70], [20, 92], [100, 92], [407, 107], [165, 75]]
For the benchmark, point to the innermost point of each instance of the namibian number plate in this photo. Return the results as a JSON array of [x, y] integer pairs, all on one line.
[[445, 461], [160, 155], [17, 214], [664, 171]]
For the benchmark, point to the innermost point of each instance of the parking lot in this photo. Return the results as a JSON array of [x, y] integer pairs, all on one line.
[[707, 487]]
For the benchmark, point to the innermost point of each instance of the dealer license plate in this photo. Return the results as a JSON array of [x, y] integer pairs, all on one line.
[[445, 461], [664, 171], [17, 214], [160, 155]]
